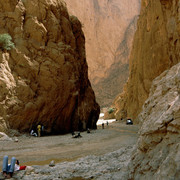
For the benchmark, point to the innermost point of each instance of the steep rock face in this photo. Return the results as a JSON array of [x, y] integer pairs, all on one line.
[[109, 27], [155, 48], [44, 79], [158, 148]]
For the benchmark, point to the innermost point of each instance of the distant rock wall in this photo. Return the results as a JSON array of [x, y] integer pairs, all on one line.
[[44, 80], [109, 27], [155, 48], [158, 149]]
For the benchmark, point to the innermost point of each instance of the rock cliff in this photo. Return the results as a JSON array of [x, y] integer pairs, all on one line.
[[44, 79], [155, 48], [109, 27], [158, 149]]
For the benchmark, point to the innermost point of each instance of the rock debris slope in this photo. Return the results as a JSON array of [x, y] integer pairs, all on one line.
[[44, 78], [158, 148], [155, 48], [112, 165]]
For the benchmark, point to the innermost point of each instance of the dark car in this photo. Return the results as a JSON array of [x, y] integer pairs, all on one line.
[[129, 122]]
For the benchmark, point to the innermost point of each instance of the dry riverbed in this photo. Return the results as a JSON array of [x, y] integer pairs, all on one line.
[[40, 151]]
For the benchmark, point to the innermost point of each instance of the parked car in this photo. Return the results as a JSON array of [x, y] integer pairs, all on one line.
[[129, 121]]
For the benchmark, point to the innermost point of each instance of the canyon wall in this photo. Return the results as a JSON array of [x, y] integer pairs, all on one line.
[[109, 27], [44, 79], [157, 154], [155, 48]]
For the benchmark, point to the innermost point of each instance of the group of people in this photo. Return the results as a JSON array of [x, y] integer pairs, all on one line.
[[8, 169], [38, 131]]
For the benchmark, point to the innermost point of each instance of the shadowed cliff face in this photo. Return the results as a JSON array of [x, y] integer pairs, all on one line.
[[44, 80], [155, 49], [105, 24]]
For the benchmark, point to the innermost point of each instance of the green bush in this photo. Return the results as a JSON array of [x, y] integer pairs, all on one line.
[[111, 110], [5, 42]]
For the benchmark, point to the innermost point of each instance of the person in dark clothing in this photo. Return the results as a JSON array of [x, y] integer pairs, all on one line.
[[102, 125], [77, 136], [88, 130]]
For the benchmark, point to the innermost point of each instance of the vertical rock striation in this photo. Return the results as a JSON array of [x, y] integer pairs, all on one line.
[[109, 27], [44, 79], [155, 48]]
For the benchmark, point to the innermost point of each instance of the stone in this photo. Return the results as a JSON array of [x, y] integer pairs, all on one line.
[[1, 176], [52, 163], [16, 140], [4, 137]]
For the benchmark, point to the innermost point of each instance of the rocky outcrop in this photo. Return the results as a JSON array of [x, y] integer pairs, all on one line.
[[109, 27], [112, 165], [44, 79], [158, 148], [155, 48]]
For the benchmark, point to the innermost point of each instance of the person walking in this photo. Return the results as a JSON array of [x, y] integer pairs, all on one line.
[[102, 125], [107, 123]]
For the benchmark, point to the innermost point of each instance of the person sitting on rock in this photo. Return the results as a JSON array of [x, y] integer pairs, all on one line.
[[77, 136], [33, 133], [73, 134]]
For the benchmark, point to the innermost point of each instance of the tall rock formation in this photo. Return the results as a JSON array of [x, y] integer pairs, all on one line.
[[155, 48], [157, 155], [44, 79], [109, 27]]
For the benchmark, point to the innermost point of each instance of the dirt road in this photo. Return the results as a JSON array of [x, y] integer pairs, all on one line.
[[39, 151]]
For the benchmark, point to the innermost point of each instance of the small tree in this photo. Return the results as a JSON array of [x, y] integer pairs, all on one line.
[[111, 110], [5, 42]]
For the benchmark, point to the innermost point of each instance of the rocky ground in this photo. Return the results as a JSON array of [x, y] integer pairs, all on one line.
[[102, 154]]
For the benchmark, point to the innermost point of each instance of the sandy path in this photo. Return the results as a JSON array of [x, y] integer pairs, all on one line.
[[38, 151]]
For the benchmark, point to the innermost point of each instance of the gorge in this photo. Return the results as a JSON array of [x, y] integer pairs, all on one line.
[[109, 27], [44, 79]]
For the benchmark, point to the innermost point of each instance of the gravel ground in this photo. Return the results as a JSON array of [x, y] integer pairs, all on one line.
[[102, 154]]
